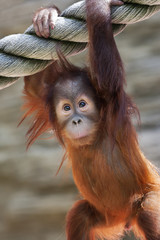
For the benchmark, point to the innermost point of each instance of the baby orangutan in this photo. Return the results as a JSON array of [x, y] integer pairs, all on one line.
[[90, 114]]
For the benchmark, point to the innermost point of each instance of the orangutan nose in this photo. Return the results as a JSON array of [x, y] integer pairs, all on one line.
[[76, 121]]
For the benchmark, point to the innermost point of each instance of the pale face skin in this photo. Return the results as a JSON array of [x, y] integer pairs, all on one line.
[[76, 111]]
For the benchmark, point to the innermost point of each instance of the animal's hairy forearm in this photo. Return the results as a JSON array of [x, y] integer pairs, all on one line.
[[107, 69], [105, 61]]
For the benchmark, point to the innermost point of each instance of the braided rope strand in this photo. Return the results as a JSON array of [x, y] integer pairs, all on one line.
[[26, 54]]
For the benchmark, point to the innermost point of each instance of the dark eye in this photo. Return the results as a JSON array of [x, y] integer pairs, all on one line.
[[82, 104], [67, 108]]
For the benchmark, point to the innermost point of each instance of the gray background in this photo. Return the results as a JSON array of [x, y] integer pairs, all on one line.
[[33, 201]]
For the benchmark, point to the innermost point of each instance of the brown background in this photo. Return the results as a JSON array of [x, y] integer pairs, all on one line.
[[33, 202]]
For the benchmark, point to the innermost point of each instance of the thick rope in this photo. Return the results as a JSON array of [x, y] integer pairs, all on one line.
[[26, 54]]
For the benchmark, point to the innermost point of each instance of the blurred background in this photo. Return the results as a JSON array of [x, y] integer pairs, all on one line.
[[33, 201]]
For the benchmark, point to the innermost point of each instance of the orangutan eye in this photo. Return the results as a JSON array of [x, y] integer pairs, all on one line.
[[67, 108], [82, 104]]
